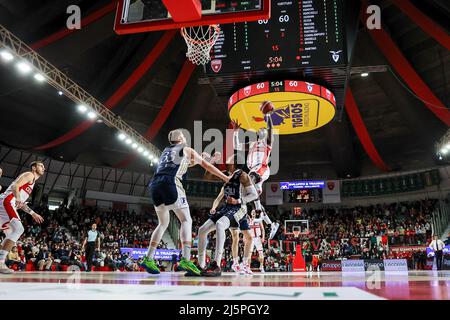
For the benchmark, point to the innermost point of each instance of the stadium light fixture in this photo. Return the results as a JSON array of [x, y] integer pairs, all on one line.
[[92, 115], [146, 153], [6, 56], [60, 93], [23, 67], [140, 150], [121, 136], [364, 74], [39, 77], [82, 108], [128, 141], [134, 145]]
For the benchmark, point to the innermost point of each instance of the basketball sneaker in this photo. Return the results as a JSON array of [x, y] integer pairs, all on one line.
[[262, 270], [274, 228], [4, 269], [246, 270], [150, 266], [212, 271], [236, 267], [189, 267]]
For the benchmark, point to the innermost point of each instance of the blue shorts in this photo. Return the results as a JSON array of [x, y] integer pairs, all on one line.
[[168, 191], [229, 211]]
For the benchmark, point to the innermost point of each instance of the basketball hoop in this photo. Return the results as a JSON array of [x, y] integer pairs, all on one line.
[[296, 233], [199, 41]]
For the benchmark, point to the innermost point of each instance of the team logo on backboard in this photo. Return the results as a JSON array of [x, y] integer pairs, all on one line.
[[274, 187], [330, 185], [336, 55], [248, 90], [216, 65], [310, 87]]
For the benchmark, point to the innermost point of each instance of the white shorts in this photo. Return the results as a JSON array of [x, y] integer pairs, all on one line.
[[258, 244], [7, 210]]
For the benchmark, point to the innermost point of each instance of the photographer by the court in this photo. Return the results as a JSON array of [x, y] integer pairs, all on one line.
[[90, 244]]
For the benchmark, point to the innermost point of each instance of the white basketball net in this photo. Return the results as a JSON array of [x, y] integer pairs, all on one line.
[[199, 41]]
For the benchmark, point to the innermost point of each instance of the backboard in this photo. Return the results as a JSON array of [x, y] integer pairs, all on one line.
[[292, 227], [134, 16]]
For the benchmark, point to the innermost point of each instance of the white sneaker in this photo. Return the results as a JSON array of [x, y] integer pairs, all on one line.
[[273, 230], [5, 270], [246, 269], [262, 270], [236, 267]]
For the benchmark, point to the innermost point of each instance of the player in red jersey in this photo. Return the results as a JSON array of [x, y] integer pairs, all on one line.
[[258, 162], [258, 237], [10, 201]]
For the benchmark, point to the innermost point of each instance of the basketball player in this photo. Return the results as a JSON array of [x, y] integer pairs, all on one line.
[[10, 201], [258, 235], [244, 267], [237, 192], [258, 161], [168, 194]]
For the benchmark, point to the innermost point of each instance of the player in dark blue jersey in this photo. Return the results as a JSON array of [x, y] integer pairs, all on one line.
[[168, 194], [237, 192]]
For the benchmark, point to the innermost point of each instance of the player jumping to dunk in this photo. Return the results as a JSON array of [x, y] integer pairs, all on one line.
[[258, 162], [168, 194]]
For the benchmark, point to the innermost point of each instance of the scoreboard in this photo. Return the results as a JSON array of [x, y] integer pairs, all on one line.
[[300, 34]]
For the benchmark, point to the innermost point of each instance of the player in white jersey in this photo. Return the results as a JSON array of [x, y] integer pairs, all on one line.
[[11, 200], [258, 162], [258, 237]]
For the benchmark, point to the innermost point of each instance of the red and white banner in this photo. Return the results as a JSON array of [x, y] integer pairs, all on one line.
[[274, 194], [332, 192]]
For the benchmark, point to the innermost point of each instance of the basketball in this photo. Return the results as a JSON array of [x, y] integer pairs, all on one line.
[[266, 107]]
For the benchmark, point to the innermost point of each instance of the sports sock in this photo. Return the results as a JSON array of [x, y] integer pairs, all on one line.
[[151, 252], [3, 254], [187, 252]]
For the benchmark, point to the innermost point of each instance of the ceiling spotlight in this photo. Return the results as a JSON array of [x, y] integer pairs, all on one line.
[[146, 153], [60, 93], [82, 108], [39, 77], [444, 150], [134, 145], [440, 157], [99, 121], [92, 115], [121, 136], [128, 141], [24, 67], [140, 149], [364, 74], [150, 157], [6, 56]]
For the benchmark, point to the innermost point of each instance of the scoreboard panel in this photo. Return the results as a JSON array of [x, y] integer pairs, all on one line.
[[300, 34]]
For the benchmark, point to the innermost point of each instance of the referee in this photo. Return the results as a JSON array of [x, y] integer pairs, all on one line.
[[438, 246], [89, 246]]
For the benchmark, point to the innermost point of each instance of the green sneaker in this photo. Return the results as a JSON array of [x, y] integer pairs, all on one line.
[[189, 266], [150, 266]]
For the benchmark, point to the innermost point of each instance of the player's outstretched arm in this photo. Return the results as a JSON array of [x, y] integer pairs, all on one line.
[[217, 201], [197, 159], [237, 145], [269, 122], [33, 214], [24, 178]]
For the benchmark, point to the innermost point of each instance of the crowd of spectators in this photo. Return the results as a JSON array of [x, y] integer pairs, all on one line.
[[333, 234]]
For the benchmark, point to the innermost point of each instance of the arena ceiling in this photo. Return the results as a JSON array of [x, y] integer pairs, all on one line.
[[403, 130]]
